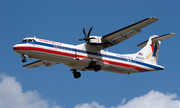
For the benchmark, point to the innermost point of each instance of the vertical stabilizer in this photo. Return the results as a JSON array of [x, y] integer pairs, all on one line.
[[151, 48]]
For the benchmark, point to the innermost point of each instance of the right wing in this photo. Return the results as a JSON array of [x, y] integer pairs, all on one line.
[[126, 32], [40, 63]]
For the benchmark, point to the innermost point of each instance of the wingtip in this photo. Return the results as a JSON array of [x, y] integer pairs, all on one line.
[[173, 34], [154, 18]]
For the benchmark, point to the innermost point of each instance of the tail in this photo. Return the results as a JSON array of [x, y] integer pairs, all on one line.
[[150, 50]]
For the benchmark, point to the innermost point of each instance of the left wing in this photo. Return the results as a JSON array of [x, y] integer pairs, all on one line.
[[40, 63], [126, 32]]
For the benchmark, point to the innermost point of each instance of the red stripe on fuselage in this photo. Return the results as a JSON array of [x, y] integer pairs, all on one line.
[[78, 56]]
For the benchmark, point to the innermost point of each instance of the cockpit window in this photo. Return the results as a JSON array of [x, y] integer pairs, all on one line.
[[25, 40], [28, 40]]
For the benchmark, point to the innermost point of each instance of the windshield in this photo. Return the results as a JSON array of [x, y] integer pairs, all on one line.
[[28, 40], [25, 40]]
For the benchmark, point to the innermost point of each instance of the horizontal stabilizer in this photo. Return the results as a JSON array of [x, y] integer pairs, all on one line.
[[159, 38], [40, 63]]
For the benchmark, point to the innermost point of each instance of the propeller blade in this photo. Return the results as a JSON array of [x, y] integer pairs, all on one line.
[[90, 31], [80, 39], [86, 38], [84, 32]]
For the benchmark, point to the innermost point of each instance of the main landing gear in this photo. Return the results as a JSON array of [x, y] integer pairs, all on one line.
[[76, 74], [94, 66], [97, 68]]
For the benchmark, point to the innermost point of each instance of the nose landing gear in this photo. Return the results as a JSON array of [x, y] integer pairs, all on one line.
[[24, 60]]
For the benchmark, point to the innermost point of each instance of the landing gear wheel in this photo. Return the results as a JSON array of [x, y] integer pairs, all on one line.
[[97, 68], [77, 75], [24, 60]]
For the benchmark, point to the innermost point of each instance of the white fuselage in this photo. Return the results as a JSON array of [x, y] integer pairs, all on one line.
[[78, 57]]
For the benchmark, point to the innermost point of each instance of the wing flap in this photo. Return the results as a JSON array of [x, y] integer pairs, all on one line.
[[40, 63]]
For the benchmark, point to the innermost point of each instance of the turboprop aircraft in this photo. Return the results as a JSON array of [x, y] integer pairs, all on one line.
[[90, 56]]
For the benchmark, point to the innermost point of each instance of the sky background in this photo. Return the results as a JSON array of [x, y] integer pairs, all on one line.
[[62, 21]]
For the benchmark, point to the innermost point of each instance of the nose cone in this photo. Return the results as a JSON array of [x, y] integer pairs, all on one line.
[[16, 47]]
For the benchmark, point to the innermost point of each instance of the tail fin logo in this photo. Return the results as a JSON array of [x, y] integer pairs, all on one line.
[[153, 53]]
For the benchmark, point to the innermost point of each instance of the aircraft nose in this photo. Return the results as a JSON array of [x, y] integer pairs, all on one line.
[[15, 47]]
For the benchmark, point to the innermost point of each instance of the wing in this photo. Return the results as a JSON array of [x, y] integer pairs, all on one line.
[[160, 38], [126, 32], [40, 63]]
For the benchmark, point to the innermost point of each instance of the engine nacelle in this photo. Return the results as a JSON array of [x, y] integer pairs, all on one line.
[[96, 39]]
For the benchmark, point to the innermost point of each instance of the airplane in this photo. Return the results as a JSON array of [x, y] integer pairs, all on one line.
[[91, 56]]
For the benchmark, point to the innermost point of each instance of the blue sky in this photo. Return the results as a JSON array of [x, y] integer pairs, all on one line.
[[62, 21]]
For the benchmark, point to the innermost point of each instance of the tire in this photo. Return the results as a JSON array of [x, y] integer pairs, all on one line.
[[77, 75], [24, 60], [97, 68]]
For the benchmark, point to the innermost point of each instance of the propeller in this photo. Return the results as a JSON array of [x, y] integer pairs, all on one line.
[[86, 38]]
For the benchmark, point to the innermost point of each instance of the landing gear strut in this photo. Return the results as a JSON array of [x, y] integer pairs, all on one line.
[[76, 74]]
